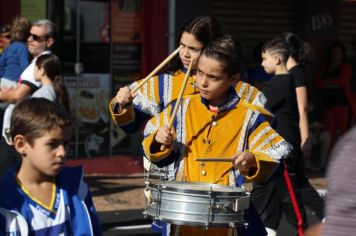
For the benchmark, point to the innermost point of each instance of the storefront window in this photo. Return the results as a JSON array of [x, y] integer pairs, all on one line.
[[87, 45]]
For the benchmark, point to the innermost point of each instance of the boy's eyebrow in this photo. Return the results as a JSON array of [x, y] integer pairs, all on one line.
[[210, 75], [54, 139]]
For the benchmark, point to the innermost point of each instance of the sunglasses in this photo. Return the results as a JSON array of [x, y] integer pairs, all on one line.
[[7, 36], [38, 38]]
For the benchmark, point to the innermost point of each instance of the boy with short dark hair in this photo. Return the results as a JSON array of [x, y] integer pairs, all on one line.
[[282, 102], [42, 196], [279, 91]]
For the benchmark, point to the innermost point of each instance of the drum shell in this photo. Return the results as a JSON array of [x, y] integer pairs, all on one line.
[[179, 205]]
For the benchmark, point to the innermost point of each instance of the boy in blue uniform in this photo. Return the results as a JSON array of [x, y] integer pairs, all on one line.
[[42, 196]]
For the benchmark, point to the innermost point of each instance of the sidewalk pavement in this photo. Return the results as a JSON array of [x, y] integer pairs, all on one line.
[[120, 202]]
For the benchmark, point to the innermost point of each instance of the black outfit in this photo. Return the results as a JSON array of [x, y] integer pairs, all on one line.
[[309, 195], [272, 196], [282, 102], [297, 73]]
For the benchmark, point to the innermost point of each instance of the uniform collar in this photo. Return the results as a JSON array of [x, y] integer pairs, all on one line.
[[228, 103]]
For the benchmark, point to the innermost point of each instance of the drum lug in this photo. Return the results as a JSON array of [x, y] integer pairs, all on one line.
[[241, 203], [246, 225], [225, 207], [148, 195]]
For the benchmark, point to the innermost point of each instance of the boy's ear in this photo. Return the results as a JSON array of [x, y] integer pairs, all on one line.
[[19, 142], [277, 59]]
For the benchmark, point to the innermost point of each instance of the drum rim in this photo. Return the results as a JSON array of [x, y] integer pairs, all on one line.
[[240, 192]]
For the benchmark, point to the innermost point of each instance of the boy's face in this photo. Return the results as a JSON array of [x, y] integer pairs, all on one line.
[[269, 62], [212, 80], [47, 154]]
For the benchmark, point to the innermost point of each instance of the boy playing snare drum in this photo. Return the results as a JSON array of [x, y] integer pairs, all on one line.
[[215, 124]]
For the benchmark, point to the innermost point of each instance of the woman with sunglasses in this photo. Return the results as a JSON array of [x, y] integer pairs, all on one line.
[[5, 38], [15, 58]]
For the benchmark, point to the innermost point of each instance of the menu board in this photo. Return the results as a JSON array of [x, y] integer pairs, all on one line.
[[127, 38], [89, 96]]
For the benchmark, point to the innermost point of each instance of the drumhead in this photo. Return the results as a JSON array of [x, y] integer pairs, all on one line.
[[197, 187]]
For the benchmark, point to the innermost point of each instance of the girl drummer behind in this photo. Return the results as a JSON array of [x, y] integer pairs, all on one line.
[[131, 110]]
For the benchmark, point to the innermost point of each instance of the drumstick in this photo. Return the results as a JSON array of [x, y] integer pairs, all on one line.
[[179, 98], [159, 67], [215, 159]]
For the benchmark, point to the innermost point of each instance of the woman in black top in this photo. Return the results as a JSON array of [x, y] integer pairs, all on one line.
[[295, 62], [297, 57]]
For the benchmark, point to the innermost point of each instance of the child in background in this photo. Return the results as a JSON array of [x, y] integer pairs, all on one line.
[[48, 71], [160, 90], [42, 196], [256, 74]]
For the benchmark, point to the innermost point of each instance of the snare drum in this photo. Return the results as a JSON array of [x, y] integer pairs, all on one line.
[[196, 204]]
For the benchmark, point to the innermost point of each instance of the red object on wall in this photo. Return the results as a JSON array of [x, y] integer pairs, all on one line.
[[8, 11], [155, 40], [119, 165]]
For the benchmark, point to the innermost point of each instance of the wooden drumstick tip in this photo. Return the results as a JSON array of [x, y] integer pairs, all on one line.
[[158, 68]]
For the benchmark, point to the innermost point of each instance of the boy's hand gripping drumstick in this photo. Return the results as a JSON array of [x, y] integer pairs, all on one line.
[[179, 98], [158, 68]]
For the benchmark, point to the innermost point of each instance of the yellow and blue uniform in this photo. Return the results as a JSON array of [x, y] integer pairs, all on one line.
[[159, 92], [151, 98], [238, 126]]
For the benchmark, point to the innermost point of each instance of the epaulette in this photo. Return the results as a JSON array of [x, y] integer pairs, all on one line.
[[267, 114]]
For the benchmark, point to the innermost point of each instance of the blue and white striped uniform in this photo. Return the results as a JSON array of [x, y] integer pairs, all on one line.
[[71, 211]]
